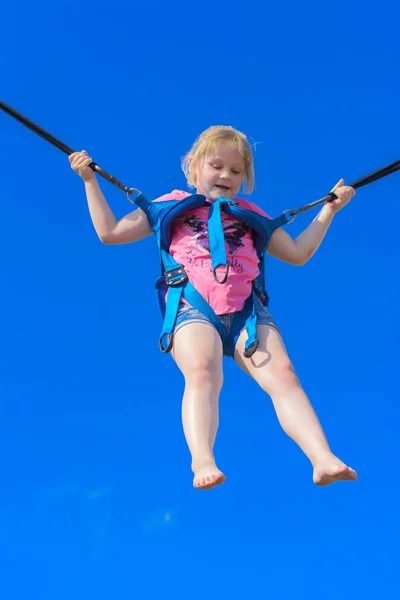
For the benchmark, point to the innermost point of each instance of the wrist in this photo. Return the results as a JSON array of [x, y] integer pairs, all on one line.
[[91, 181], [329, 210]]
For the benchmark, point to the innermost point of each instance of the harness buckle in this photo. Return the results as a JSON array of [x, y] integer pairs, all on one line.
[[166, 342], [248, 352], [176, 276], [260, 294], [225, 277]]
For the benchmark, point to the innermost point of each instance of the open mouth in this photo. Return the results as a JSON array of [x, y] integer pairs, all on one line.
[[222, 187]]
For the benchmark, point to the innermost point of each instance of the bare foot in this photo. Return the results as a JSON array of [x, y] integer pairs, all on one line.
[[331, 470], [207, 475]]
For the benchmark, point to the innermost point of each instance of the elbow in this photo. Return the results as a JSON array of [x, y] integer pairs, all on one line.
[[303, 257], [105, 238], [301, 260], [109, 237]]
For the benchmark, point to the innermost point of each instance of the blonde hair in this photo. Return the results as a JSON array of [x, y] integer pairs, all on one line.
[[207, 141]]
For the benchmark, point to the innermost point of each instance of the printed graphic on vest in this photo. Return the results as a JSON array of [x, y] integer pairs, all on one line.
[[234, 231], [199, 245]]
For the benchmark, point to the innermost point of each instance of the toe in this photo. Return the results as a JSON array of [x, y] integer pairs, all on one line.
[[206, 481], [339, 469]]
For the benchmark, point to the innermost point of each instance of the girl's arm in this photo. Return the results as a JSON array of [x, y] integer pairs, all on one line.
[[131, 228], [298, 251]]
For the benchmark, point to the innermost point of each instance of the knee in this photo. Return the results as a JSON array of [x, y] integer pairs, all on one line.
[[280, 377], [204, 373]]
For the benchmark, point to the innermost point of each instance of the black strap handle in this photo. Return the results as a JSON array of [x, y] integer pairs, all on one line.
[[61, 146], [370, 178]]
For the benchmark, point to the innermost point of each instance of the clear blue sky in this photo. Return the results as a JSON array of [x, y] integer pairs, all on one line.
[[96, 496]]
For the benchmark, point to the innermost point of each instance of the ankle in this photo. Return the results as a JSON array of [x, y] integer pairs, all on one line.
[[321, 457], [201, 461]]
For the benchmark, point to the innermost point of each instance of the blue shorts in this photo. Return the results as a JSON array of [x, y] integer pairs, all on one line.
[[187, 314]]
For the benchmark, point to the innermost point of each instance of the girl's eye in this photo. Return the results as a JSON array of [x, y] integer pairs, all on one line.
[[236, 172], [216, 166]]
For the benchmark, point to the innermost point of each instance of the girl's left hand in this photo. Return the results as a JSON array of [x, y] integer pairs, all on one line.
[[344, 194]]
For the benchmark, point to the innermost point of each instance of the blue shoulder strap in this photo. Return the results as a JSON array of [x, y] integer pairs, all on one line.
[[262, 227], [161, 215], [153, 210]]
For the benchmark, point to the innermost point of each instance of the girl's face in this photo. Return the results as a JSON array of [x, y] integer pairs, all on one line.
[[220, 172]]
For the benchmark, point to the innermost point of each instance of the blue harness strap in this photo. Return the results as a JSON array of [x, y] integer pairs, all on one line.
[[216, 237], [174, 282], [169, 310]]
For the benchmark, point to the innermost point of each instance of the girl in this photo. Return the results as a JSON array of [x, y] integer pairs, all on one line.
[[219, 162]]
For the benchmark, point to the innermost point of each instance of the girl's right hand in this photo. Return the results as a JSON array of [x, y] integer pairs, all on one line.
[[80, 162]]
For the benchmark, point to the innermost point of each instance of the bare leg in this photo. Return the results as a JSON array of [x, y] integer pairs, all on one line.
[[198, 353], [271, 368]]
